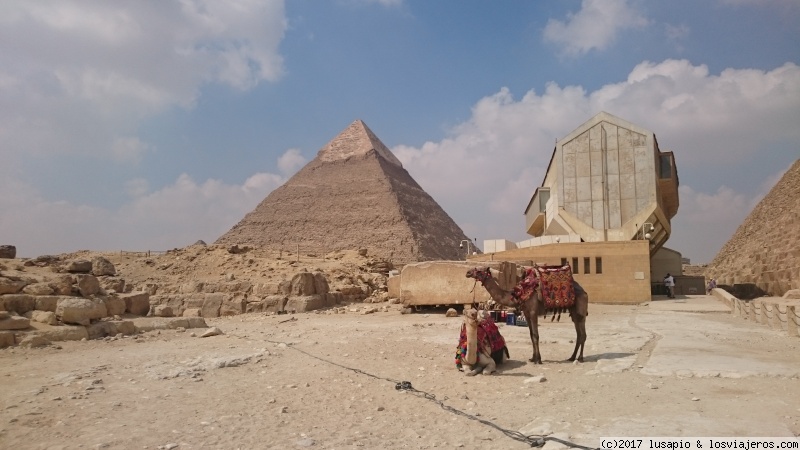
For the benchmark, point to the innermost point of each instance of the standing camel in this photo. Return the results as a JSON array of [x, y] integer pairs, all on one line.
[[532, 306]]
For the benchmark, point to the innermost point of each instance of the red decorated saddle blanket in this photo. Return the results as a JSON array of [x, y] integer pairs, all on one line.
[[488, 333], [526, 288], [558, 289]]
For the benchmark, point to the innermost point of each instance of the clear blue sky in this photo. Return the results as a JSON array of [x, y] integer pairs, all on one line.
[[152, 124]]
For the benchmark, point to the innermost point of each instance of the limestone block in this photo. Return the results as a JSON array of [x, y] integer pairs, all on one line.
[[320, 284], [212, 304], [334, 298], [47, 317], [14, 323], [254, 305], [236, 287], [64, 333], [19, 303], [305, 303], [303, 284], [101, 329], [196, 322], [191, 287], [115, 306], [88, 285], [48, 302], [163, 311], [233, 306], [80, 311], [8, 286], [34, 340], [274, 303], [194, 301], [113, 284], [264, 289], [79, 266], [211, 287], [6, 339], [101, 266], [178, 323], [192, 312], [37, 289], [62, 285], [137, 303], [285, 287], [351, 289], [125, 327], [393, 283]]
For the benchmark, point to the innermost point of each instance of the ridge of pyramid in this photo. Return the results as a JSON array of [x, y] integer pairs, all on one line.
[[354, 194], [765, 249], [356, 139]]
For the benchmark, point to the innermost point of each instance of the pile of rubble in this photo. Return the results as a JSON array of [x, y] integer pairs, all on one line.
[[83, 295], [76, 299]]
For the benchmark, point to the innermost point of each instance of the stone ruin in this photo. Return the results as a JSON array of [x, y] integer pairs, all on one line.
[[82, 299]]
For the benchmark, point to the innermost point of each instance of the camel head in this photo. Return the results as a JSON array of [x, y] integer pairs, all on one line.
[[470, 315], [480, 273]]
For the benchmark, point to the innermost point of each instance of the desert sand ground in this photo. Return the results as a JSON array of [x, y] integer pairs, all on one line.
[[666, 368]]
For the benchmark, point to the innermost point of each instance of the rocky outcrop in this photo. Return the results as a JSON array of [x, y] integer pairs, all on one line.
[[72, 306], [763, 256]]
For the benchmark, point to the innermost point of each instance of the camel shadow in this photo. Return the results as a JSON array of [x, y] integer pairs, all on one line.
[[611, 355], [515, 364]]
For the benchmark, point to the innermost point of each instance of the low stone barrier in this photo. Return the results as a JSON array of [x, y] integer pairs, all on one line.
[[776, 313]]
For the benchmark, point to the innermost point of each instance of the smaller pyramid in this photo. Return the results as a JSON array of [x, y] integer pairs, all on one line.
[[765, 249], [354, 194]]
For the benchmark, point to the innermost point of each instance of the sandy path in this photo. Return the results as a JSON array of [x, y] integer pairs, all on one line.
[[328, 381]]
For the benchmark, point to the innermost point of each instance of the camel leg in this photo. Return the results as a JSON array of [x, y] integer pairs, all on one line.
[[476, 369], [533, 329], [580, 339], [491, 366]]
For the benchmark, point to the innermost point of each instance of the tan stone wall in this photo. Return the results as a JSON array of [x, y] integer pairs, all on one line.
[[625, 276], [442, 283]]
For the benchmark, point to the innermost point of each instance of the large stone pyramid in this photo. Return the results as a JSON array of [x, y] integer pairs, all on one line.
[[354, 194], [765, 250]]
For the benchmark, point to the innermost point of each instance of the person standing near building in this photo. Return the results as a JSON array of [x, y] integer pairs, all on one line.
[[711, 285], [669, 282]]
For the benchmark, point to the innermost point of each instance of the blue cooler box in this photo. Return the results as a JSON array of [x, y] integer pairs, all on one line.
[[511, 319]]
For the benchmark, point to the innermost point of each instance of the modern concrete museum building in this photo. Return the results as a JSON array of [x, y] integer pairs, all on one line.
[[604, 207]]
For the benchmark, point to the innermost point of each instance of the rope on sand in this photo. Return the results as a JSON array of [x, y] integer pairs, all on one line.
[[532, 440]]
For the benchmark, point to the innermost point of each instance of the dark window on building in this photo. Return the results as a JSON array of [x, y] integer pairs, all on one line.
[[563, 262], [666, 166], [586, 265], [574, 265], [598, 265]]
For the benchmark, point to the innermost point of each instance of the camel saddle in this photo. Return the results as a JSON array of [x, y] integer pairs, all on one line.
[[558, 287]]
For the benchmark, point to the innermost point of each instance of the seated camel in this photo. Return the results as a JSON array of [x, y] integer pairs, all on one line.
[[481, 347]]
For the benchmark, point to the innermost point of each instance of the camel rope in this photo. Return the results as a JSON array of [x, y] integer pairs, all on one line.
[[534, 440]]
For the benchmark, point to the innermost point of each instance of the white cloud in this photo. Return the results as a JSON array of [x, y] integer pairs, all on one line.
[[485, 170], [78, 77], [174, 216], [291, 161], [129, 149], [594, 27]]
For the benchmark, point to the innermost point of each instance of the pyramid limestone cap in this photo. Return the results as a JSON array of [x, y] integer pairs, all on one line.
[[357, 139]]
